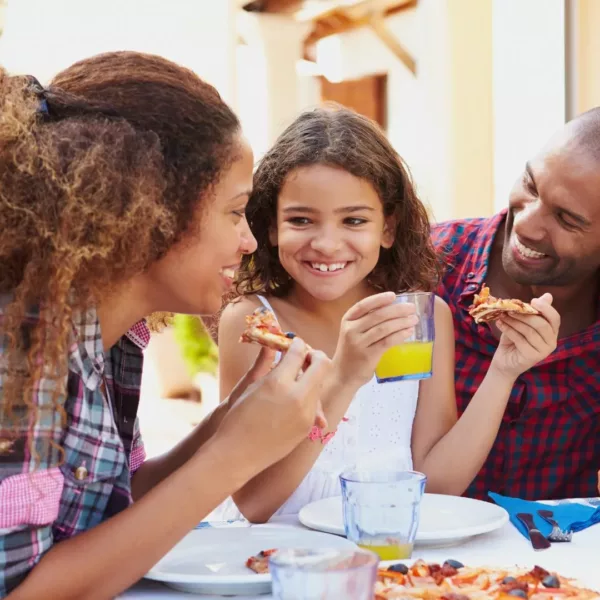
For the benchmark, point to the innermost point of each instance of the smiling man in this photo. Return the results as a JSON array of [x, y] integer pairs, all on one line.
[[547, 241]]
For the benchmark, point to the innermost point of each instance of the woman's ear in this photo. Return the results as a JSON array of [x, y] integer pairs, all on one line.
[[389, 233]]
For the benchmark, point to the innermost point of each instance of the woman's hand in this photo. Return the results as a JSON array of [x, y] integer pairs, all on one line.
[[526, 339], [273, 410], [368, 329]]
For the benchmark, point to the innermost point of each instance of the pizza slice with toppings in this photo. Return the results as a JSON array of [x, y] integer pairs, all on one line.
[[262, 328], [487, 308]]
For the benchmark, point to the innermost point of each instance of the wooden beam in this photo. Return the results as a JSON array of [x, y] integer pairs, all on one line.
[[400, 7], [337, 22], [274, 6], [378, 25]]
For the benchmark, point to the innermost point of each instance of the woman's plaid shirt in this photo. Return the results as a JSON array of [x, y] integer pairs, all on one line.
[[45, 499]]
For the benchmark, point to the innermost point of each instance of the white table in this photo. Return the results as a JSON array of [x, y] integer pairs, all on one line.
[[505, 546]]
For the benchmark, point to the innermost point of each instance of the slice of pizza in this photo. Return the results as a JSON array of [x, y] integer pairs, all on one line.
[[259, 563], [487, 308], [262, 328]]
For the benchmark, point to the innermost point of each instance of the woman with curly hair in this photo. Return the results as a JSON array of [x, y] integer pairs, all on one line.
[[340, 230], [123, 188]]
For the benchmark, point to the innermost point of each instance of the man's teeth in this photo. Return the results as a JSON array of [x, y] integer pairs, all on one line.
[[228, 273], [331, 267], [528, 252]]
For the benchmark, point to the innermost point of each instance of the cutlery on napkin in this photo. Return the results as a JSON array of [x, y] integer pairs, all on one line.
[[538, 541], [570, 515]]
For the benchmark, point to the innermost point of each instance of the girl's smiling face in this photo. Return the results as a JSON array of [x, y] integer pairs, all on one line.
[[330, 230]]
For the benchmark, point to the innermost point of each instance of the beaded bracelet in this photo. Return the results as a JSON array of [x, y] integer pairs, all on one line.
[[316, 433]]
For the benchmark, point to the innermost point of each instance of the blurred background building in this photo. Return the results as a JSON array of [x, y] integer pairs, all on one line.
[[467, 90]]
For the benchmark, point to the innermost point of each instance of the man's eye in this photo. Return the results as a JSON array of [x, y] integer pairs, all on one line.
[[566, 222]]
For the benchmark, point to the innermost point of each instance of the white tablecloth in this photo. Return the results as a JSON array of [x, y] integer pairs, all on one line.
[[579, 559]]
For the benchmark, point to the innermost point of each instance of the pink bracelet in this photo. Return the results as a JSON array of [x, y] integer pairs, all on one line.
[[316, 433]]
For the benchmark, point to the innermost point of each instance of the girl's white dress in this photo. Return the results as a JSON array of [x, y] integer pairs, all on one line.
[[378, 428]]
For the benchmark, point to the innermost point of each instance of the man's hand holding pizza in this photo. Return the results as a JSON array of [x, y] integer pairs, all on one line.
[[526, 339]]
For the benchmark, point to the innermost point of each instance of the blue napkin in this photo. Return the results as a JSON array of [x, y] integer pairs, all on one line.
[[569, 515]]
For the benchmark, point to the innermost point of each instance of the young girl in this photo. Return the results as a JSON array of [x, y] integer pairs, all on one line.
[[123, 188], [340, 229]]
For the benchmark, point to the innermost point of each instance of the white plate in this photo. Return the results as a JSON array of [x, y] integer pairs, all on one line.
[[212, 561], [444, 521]]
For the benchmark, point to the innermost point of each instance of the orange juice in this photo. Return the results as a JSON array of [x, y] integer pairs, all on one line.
[[408, 360], [390, 552]]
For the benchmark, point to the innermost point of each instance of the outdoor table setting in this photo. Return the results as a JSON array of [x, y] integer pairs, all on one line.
[[210, 562], [334, 546]]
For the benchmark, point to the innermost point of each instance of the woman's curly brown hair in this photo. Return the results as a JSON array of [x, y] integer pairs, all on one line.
[[339, 137], [100, 175]]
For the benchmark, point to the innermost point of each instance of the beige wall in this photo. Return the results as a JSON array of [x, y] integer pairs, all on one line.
[[42, 37], [586, 32], [471, 114], [439, 120]]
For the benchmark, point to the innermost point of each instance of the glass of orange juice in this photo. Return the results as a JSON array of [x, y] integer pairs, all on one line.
[[413, 358], [382, 509]]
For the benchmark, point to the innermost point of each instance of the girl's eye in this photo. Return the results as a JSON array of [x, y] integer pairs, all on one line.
[[238, 214], [354, 221], [299, 220]]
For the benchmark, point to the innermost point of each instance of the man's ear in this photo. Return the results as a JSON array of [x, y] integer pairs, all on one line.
[[389, 233]]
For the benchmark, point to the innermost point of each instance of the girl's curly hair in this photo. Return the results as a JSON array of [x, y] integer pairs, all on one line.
[[339, 137], [100, 175]]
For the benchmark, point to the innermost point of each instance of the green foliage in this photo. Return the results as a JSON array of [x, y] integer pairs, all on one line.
[[198, 348]]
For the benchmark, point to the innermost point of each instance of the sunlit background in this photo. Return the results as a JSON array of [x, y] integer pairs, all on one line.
[[467, 91]]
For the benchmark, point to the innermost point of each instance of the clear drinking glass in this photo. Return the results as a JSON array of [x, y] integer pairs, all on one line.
[[323, 574], [382, 509], [413, 358]]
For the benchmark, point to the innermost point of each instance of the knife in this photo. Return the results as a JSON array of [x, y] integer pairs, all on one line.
[[538, 541]]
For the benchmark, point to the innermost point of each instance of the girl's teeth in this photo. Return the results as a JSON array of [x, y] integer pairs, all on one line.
[[323, 267], [528, 252], [228, 273]]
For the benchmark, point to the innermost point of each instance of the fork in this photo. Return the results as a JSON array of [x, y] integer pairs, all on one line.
[[557, 534]]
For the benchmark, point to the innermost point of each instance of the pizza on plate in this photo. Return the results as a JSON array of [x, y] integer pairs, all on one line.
[[453, 581], [259, 563], [487, 308]]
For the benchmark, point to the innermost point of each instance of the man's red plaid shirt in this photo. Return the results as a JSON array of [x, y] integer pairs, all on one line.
[[549, 442]]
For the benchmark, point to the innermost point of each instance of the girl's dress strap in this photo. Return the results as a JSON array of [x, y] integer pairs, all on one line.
[[268, 306], [265, 303]]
